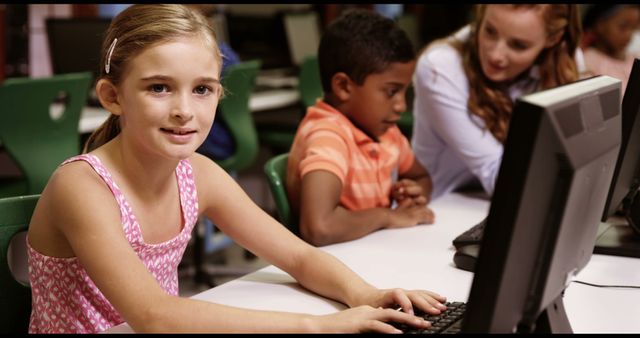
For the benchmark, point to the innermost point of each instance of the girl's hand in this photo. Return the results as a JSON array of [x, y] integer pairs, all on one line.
[[366, 318], [427, 301]]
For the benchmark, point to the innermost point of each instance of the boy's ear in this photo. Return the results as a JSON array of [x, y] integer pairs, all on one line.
[[107, 93], [341, 86]]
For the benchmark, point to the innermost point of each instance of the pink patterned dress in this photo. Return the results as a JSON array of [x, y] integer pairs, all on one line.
[[65, 299]]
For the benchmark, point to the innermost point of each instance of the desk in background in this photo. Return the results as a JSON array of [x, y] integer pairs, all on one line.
[[91, 118], [421, 257], [273, 99]]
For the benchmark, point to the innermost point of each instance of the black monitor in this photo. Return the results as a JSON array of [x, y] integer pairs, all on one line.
[[556, 169], [75, 43], [621, 236]]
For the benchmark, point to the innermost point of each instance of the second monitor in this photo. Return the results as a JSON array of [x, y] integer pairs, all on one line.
[[622, 238]]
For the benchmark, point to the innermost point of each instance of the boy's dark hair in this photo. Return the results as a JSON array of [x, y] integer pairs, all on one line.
[[359, 43]]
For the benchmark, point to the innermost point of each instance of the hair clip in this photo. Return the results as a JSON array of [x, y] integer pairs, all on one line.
[[107, 66]]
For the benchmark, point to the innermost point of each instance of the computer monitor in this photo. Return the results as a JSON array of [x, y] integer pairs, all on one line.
[[556, 169], [75, 43], [623, 238]]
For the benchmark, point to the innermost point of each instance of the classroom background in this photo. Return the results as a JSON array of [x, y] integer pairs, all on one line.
[[42, 40]]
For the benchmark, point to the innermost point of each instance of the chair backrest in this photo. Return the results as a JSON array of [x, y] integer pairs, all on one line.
[[238, 81], [310, 85], [276, 171], [15, 296], [36, 131], [406, 119]]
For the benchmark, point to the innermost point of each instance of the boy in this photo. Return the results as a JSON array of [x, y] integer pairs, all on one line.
[[348, 151]]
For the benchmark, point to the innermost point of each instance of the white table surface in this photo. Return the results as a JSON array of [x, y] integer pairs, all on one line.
[[421, 257]]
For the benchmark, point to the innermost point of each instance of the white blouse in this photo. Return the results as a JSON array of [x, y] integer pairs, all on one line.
[[450, 142]]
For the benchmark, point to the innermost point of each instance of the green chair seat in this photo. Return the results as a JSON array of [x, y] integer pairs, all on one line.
[[15, 296], [276, 171]]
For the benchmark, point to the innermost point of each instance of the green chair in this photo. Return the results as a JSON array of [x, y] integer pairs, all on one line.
[[276, 171], [280, 138], [15, 295], [238, 82], [37, 135], [406, 124], [406, 119], [310, 85]]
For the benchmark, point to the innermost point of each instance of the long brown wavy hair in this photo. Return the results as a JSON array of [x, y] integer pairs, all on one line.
[[557, 65], [137, 28]]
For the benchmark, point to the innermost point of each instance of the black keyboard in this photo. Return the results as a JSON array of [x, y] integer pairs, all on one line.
[[448, 321], [471, 236]]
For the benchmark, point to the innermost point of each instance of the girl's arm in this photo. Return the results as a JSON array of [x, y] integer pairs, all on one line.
[[83, 210], [87, 215], [235, 214]]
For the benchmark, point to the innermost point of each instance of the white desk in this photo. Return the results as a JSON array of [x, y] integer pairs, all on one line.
[[272, 99], [92, 117], [421, 257]]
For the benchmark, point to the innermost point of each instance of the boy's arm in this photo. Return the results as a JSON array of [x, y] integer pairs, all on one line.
[[324, 221]]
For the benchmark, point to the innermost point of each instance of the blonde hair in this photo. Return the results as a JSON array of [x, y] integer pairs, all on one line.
[[557, 64], [137, 28]]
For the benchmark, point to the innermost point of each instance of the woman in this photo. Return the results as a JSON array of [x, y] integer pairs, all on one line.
[[465, 86]]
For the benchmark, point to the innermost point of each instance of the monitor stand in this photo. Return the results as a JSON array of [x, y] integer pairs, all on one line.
[[617, 238], [553, 319]]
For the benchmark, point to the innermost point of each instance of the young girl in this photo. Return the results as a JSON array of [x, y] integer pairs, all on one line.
[[111, 226], [465, 87]]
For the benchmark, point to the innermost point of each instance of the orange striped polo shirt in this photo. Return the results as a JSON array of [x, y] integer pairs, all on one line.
[[327, 140]]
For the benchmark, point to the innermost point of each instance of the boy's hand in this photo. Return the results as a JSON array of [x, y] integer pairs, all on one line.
[[408, 214], [406, 189]]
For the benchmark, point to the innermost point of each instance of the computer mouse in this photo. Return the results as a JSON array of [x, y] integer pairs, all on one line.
[[466, 256]]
